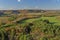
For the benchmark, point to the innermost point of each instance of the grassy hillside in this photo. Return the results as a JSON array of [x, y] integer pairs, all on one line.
[[30, 25]]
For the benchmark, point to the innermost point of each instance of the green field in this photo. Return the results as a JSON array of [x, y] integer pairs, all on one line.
[[45, 31], [56, 20]]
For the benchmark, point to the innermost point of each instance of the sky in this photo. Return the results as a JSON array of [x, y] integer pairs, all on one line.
[[30, 4]]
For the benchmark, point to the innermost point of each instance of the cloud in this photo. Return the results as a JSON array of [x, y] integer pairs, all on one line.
[[19, 0]]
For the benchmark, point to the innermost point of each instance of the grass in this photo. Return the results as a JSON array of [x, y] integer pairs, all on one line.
[[39, 28], [56, 20], [31, 20], [52, 19]]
